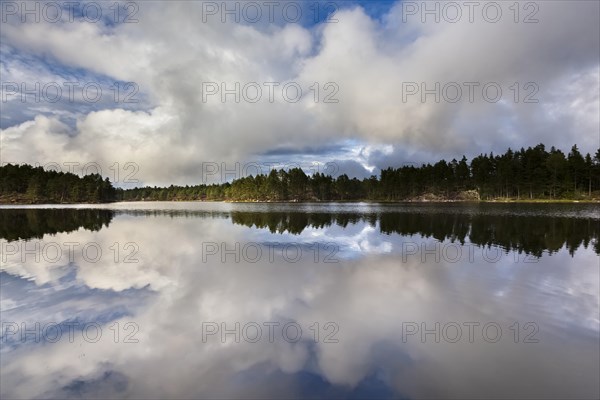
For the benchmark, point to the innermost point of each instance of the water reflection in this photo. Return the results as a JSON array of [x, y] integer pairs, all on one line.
[[524, 232], [31, 223], [529, 234], [175, 294]]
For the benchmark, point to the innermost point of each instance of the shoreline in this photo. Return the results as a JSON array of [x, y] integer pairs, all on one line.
[[408, 201]]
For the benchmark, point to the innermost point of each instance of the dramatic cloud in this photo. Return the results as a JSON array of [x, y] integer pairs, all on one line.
[[368, 63]]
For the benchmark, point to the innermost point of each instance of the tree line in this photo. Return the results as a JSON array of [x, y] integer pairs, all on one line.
[[532, 173], [28, 184]]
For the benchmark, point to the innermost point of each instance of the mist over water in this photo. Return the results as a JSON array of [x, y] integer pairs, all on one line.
[[218, 300]]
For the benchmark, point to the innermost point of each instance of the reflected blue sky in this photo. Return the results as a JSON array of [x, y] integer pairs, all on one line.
[[370, 293]]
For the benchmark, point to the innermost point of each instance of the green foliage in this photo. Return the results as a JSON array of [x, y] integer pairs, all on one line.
[[24, 183], [532, 173]]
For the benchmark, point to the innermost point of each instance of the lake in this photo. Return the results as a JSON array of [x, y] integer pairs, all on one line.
[[352, 300]]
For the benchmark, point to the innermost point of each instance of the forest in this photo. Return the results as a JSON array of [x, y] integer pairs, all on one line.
[[34, 185], [532, 173], [527, 174]]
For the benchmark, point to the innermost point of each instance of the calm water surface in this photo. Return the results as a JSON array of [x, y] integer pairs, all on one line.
[[219, 300]]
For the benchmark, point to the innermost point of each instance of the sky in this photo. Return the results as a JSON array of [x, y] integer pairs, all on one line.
[[187, 92]]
